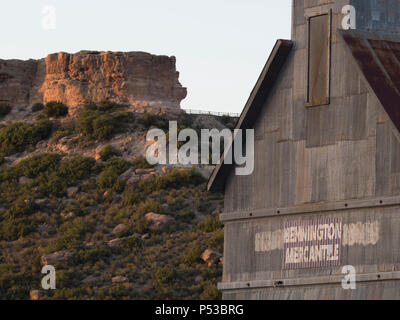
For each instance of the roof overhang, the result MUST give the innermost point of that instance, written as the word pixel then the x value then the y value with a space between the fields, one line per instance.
pixel 251 111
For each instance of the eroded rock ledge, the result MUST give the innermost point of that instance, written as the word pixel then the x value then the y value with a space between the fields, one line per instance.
pixel 135 78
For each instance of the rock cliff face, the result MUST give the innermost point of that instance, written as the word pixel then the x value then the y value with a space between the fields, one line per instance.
pixel 135 78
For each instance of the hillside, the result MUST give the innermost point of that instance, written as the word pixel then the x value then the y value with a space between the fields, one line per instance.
pixel 77 193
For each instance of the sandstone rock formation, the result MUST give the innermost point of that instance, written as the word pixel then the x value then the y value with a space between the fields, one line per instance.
pixel 159 222
pixel 211 257
pixel 53 258
pixel 135 78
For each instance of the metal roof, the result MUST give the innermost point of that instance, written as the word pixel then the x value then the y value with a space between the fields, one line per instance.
pixel 253 106
pixel 378 58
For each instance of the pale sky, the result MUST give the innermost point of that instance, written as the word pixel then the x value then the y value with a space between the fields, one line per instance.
pixel 220 45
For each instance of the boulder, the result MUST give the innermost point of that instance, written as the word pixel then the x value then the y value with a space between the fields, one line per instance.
pixel 45 228
pixel 144 171
pixel 42 202
pixel 36 294
pixel 159 221
pixel 67 215
pixel 119 228
pixel 211 257
pixel 114 243
pixel 72 192
pixel 53 258
pixel 24 180
pixel 90 279
pixel 119 279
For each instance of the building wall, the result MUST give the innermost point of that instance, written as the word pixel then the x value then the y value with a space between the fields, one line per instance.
pixel 343 151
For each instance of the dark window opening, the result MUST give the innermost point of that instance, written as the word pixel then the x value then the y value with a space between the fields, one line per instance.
pixel 319 47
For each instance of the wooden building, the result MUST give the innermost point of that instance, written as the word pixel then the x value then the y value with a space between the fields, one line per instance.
pixel 325 191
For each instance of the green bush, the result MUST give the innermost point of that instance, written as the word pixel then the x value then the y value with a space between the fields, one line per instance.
pixel 96 124
pixel 118 164
pixel 131 196
pixel 151 120
pixel 2 160
pixel 132 242
pixel 141 163
pixel 109 152
pixel 17 136
pixel 186 215
pixel 92 255
pixel 165 275
pixel 33 166
pixel 102 106
pixel 17 220
pixel 71 234
pixel 175 179
pixel 37 107
pixel 109 179
pixel 55 109
pixel 192 255
pixel 210 224
pixel 210 292
pixel 5 109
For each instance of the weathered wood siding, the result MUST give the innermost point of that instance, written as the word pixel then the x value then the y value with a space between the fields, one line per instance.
pixel 346 150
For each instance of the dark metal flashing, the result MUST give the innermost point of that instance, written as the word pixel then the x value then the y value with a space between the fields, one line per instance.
pixel 378 58
pixel 251 111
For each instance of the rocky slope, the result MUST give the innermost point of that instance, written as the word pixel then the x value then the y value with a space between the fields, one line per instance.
pixel 135 78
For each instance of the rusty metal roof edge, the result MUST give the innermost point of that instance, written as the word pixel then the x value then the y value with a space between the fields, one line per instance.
pixel 367 35
pixel 279 45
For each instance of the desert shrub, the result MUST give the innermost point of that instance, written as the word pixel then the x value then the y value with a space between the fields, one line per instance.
pixel 17 221
pixel 109 179
pixel 5 109
pixel 141 163
pixel 68 279
pixel 210 224
pixel 216 242
pixel 102 106
pixel 53 175
pixel 131 196
pixel 17 136
pixel 118 164
pixel 175 179
pixel 132 242
pixel 109 105
pixel 186 215
pixel 37 107
pixel 92 255
pixel 151 120
pixel 65 130
pixel 109 152
pixel 140 224
pixel 192 255
pixel 210 292
pixel 78 168
pixel 13 229
pixel 202 205
pixel 33 166
pixel 149 206
pixel 96 124
pixel 165 275
pixel 55 109
pixel 71 233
